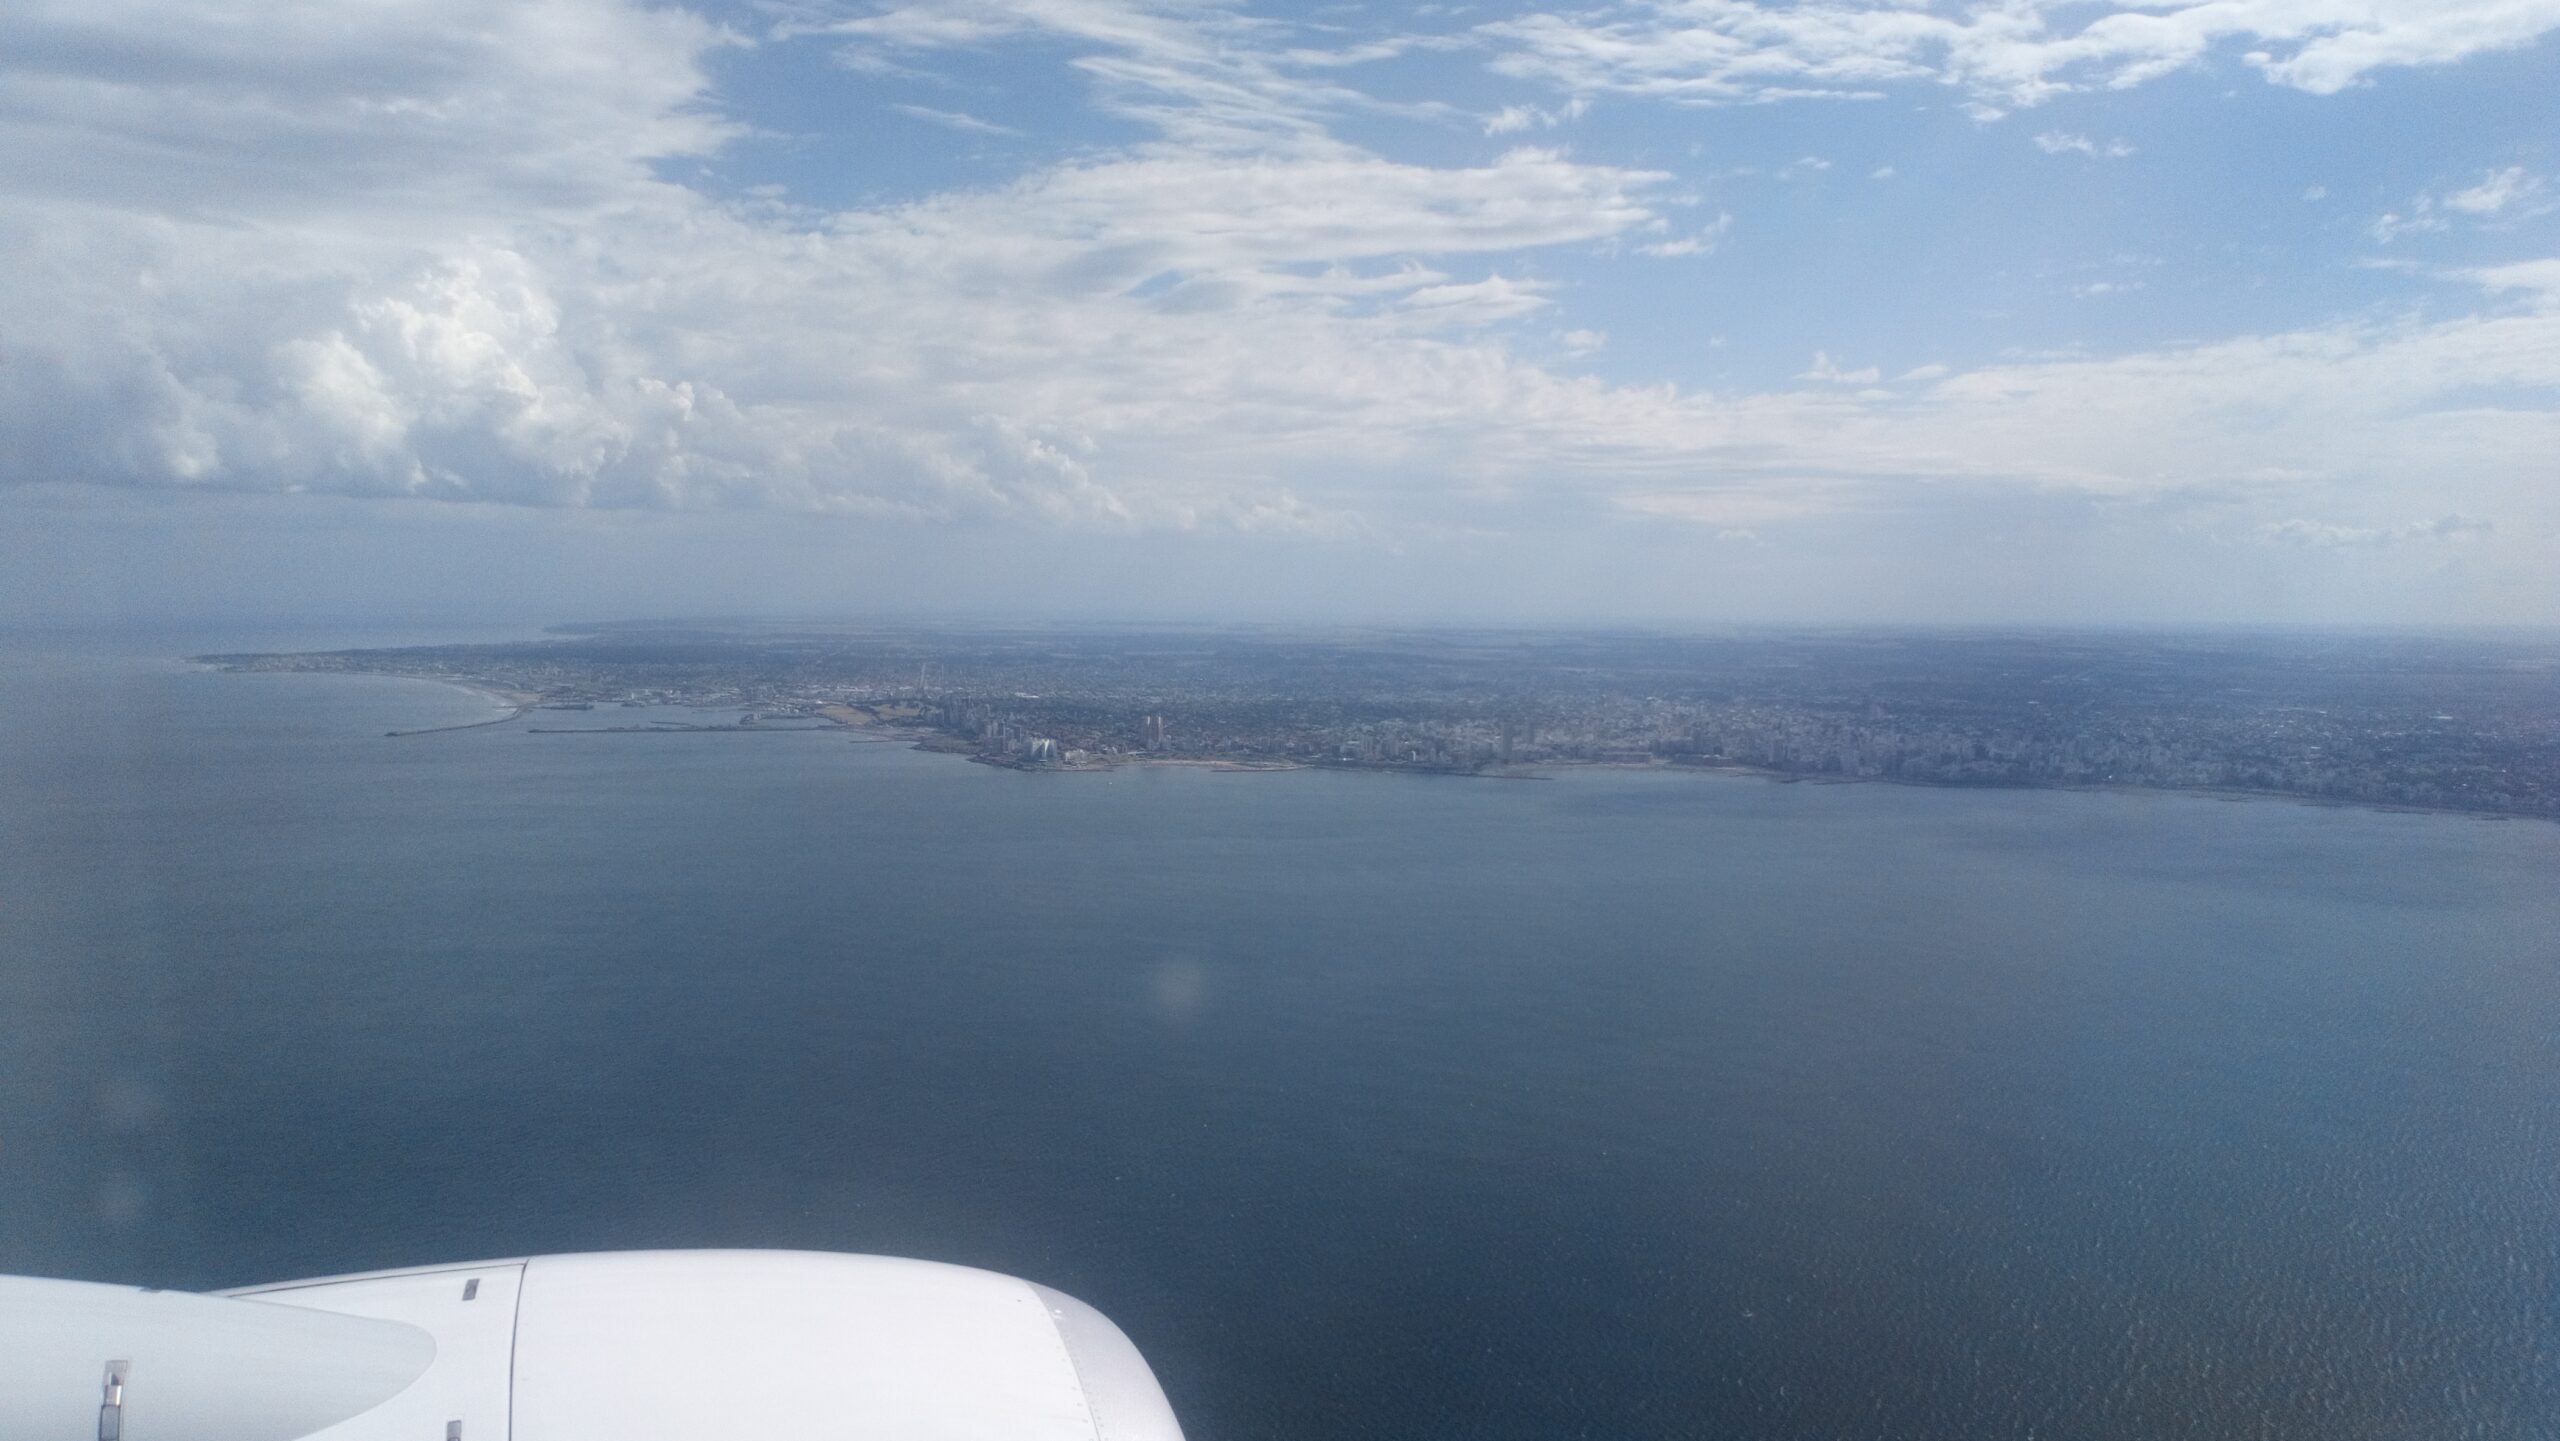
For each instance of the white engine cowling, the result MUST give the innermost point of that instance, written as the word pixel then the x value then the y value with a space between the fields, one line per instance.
pixel 628 1346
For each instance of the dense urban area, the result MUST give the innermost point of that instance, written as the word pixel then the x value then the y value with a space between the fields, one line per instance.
pixel 2457 723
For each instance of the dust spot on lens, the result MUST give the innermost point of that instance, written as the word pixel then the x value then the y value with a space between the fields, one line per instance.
pixel 121 1201
pixel 1176 989
pixel 125 1105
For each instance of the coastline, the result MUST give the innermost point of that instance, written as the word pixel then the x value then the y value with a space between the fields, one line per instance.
pixel 521 703
pixel 2219 793
pixel 939 744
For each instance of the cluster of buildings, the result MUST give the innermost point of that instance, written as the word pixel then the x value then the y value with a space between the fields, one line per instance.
pixel 2469 725
pixel 2429 763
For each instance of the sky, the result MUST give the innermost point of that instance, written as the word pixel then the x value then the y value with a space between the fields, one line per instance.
pixel 1662 311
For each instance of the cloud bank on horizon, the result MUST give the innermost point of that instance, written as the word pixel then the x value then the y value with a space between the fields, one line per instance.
pixel 2268 279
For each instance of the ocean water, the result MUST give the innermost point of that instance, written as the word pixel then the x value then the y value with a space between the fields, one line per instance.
pixel 1615 1105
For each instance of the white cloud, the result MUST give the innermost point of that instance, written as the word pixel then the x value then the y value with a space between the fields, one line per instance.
pixel 2500 192
pixel 1732 511
pixel 2386 407
pixel 1204 74
pixel 1511 119
pixel 955 120
pixel 201 111
pixel 2419 219
pixel 2325 536
pixel 2056 142
pixel 2450 418
pixel 2507 194
pixel 1881 172
pixel 2004 56
pixel 1825 370
pixel 1705 240
pixel 1242 323
pixel 493 295
pixel 2537 277
pixel 1484 302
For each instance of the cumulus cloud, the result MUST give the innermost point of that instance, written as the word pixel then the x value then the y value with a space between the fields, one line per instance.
pixel 408 251
pixel 2002 55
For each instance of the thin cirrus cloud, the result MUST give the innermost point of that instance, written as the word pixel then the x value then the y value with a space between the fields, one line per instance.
pixel 464 250
pixel 2321 534
pixel 2003 55
pixel 960 120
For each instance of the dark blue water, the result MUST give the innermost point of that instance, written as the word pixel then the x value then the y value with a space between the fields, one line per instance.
pixel 1611 1106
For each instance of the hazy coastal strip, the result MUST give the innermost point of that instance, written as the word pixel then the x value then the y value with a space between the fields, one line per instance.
pixel 2416 723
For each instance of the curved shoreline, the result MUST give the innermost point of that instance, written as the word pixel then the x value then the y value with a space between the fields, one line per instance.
pixel 1556 770
pixel 519 705
pixel 522 703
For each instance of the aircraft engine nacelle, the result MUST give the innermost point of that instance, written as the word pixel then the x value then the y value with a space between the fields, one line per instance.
pixel 630 1346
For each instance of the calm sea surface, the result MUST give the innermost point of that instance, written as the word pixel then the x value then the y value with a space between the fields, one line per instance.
pixel 1617 1105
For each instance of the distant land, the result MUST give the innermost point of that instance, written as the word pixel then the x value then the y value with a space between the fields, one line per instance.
pixel 2449 723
